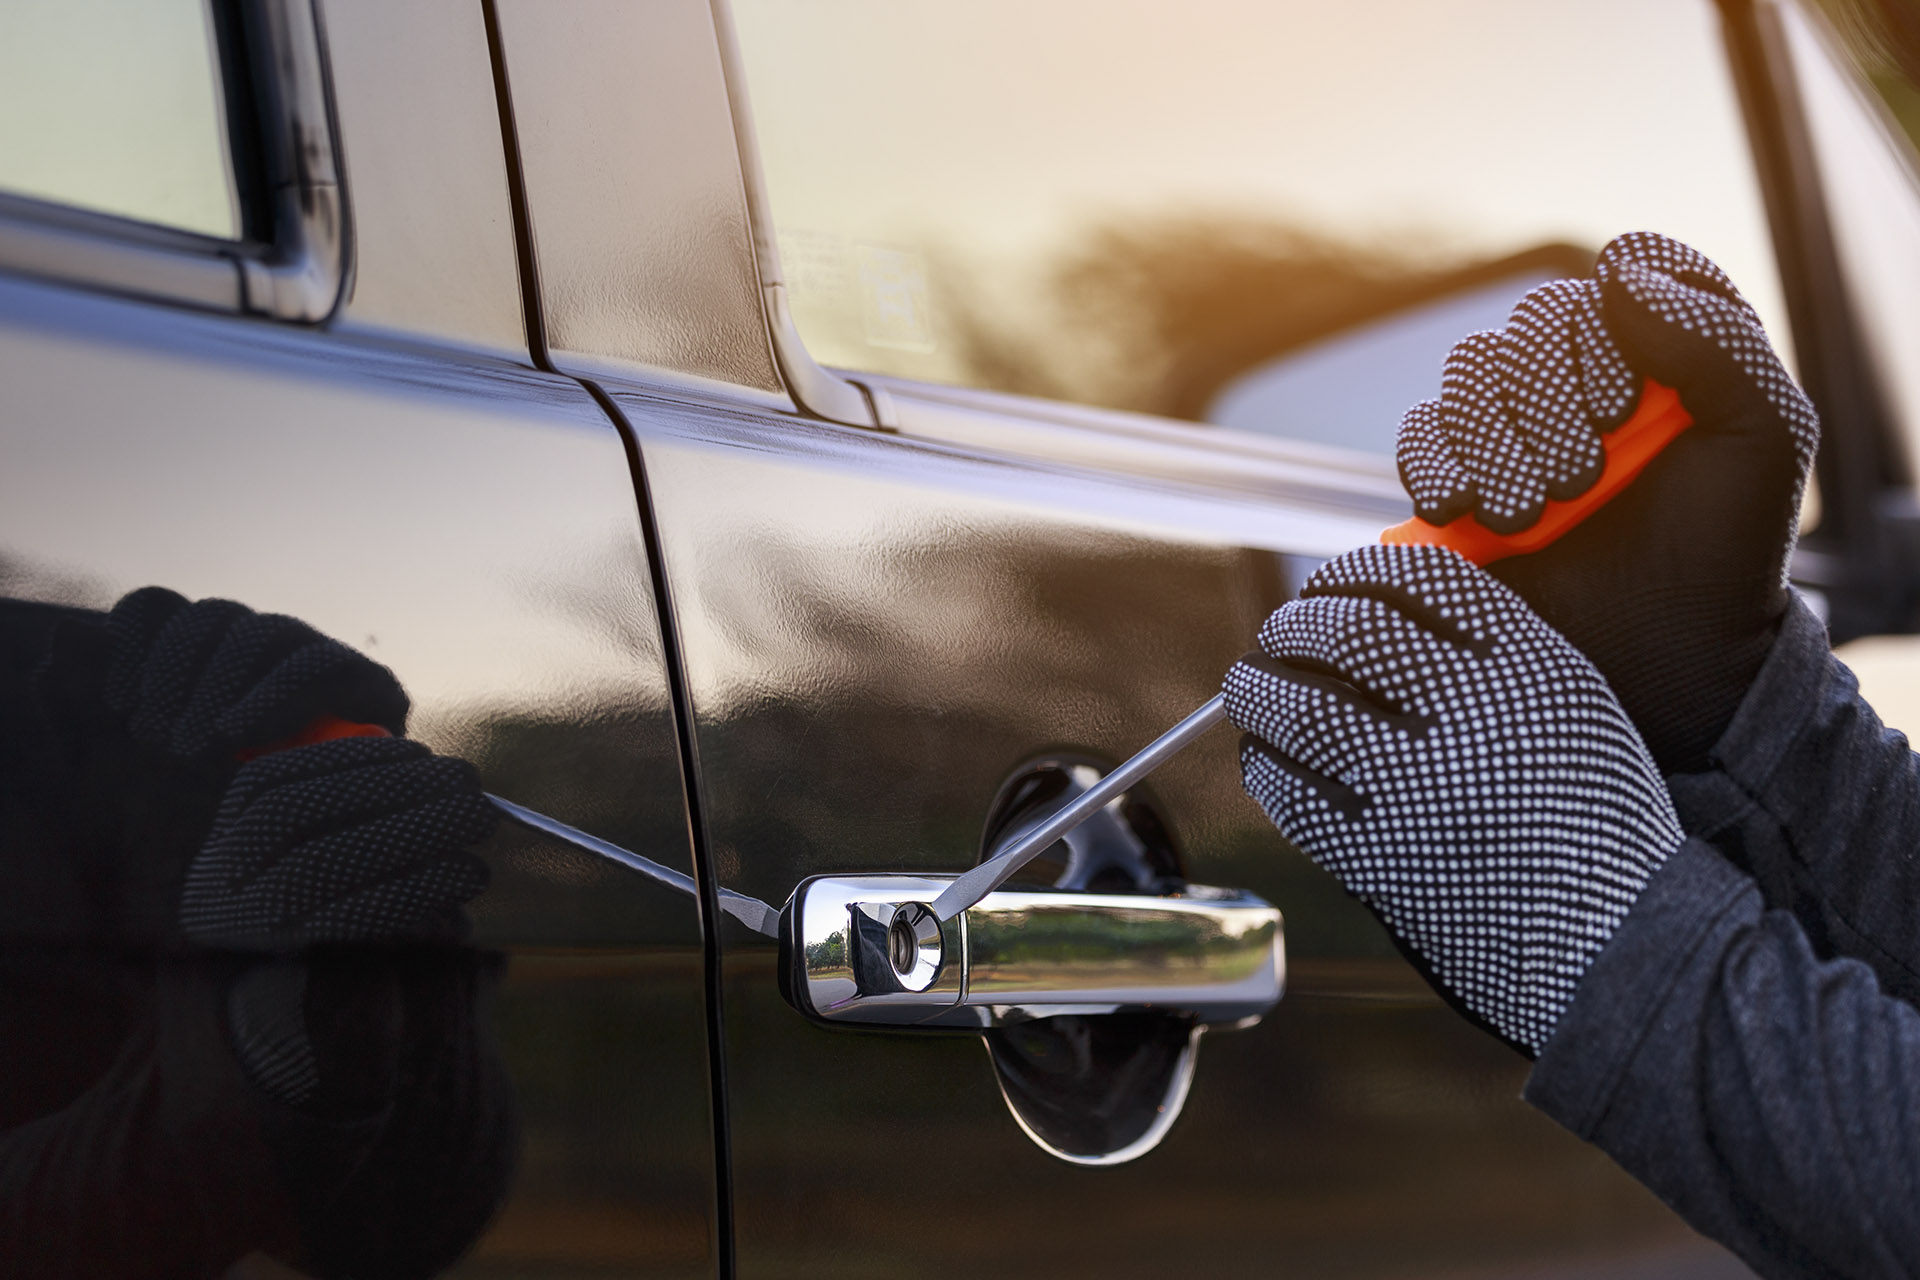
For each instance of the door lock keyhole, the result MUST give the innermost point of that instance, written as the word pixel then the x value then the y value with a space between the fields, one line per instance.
pixel 915 949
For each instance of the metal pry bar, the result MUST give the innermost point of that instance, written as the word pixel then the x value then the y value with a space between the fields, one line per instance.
pixel 991 874
pixel 751 912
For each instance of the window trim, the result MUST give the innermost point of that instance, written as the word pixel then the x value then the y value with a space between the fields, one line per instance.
pixel 1854 556
pixel 817 390
pixel 300 271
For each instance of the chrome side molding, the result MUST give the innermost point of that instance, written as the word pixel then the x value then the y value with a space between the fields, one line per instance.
pixel 869 951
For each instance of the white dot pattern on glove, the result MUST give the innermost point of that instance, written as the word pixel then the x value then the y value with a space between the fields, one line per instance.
pixel 1520 413
pixel 354 840
pixel 207 676
pixel 1522 410
pixel 1684 287
pixel 1459 767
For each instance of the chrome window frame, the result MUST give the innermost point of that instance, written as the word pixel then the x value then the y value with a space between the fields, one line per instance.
pixel 298 273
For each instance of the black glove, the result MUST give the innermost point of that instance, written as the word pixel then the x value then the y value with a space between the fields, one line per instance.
pixel 1675 589
pixel 359 841
pixel 214 678
pixel 147 712
pixel 1463 770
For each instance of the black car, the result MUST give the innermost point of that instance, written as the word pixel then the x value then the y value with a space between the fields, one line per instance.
pixel 780 539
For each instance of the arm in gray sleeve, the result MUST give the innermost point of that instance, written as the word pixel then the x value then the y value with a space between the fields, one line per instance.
pixel 1820 803
pixel 1768 1095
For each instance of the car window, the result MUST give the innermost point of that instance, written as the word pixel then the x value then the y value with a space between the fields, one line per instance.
pixel 1872 188
pixel 115 106
pixel 1136 205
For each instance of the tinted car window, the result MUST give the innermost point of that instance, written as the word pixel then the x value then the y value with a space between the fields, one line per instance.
pixel 116 106
pixel 1135 204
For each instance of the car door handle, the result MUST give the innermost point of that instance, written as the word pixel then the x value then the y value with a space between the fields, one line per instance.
pixel 868 950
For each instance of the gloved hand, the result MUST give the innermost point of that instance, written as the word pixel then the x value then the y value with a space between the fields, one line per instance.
pixel 147 712
pixel 1460 768
pixel 212 679
pixel 1675 589
pixel 358 841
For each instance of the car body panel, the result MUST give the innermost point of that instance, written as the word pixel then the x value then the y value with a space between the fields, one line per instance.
pixel 877 632
pixel 470 522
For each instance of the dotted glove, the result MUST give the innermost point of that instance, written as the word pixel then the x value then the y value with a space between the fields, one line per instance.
pixel 1675 589
pixel 355 841
pixel 359 840
pixel 148 711
pixel 213 678
pixel 1424 736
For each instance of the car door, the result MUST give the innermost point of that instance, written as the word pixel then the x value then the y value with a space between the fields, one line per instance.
pixel 262 339
pixel 895 605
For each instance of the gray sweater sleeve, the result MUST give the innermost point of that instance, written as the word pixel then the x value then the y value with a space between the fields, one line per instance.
pixel 1820 804
pixel 1738 1045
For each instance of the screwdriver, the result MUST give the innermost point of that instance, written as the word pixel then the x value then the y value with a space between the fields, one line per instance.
pixel 752 912
pixel 991 874
pixel 1657 419
pixel 958 896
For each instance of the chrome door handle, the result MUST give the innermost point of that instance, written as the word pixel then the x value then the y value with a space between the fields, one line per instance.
pixel 869 951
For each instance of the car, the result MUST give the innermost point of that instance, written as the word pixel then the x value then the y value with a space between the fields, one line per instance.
pixel 771 444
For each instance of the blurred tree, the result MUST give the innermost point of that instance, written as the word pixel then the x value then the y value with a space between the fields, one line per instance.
pixel 1158 315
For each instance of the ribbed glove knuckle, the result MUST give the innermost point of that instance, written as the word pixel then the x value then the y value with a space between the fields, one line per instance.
pixel 1242 688
pixel 1303 720
pixel 1608 383
pixel 305 674
pixel 1430 468
pixel 1698 313
pixel 210 677
pixel 1340 632
pixel 1648 254
pixel 315 762
pixel 304 830
pixel 134 623
pixel 325 784
pixel 450 775
pixel 1546 391
pixel 170 708
pixel 249 666
pixel 324 867
pixel 248 645
pixel 1506 478
pixel 1443 589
